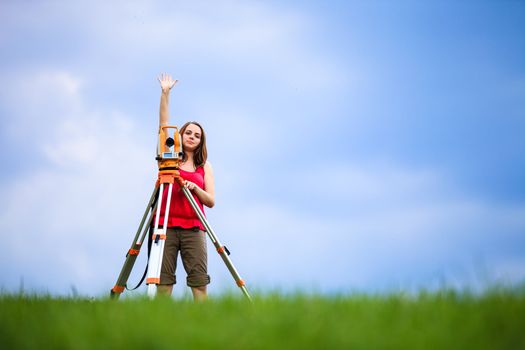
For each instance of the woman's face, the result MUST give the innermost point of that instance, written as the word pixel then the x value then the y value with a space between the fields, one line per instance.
pixel 191 138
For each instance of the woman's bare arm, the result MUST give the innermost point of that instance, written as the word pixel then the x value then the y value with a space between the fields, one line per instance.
pixel 206 195
pixel 166 84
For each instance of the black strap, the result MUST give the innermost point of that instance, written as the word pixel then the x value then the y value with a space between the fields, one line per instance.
pixel 147 262
pixel 141 280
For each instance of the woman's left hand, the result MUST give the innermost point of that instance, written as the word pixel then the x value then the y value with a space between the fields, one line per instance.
pixel 190 185
pixel 166 82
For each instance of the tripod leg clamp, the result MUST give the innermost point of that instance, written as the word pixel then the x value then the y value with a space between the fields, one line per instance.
pixel 118 289
pixel 223 249
pixel 133 252
pixel 156 236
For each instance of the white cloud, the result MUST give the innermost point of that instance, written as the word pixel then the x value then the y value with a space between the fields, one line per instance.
pixel 389 226
pixel 88 181
pixel 36 102
pixel 372 183
pixel 250 36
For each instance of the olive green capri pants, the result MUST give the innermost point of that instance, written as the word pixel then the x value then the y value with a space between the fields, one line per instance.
pixel 192 246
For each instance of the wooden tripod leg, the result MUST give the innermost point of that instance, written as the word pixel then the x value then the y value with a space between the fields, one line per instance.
pixel 222 250
pixel 133 252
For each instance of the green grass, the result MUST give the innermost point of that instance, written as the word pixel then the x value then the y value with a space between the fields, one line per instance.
pixel 439 320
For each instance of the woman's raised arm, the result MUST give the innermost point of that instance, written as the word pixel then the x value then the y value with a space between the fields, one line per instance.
pixel 166 83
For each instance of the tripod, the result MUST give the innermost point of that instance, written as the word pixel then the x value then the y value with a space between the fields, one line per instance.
pixel 169 156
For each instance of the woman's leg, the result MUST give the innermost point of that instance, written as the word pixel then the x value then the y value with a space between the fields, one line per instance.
pixel 195 260
pixel 164 289
pixel 169 263
pixel 199 293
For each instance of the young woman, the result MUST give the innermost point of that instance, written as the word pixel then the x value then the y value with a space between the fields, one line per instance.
pixel 185 232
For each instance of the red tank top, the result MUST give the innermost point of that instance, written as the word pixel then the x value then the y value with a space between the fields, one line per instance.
pixel 181 213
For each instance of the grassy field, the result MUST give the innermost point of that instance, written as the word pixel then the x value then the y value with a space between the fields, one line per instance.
pixel 439 320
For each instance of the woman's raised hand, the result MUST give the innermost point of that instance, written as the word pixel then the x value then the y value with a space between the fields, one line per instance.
pixel 166 82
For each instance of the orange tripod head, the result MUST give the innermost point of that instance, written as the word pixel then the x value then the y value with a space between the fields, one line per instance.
pixel 169 148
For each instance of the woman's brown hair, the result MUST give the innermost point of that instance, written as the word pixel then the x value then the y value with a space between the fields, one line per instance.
pixel 201 152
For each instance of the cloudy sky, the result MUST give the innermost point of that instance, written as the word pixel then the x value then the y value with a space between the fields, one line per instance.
pixel 356 145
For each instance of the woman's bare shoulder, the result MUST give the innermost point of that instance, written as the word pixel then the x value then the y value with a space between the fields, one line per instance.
pixel 207 166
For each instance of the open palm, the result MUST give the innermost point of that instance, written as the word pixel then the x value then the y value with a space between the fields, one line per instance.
pixel 166 81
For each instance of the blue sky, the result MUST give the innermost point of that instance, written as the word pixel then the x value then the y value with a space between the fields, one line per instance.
pixel 356 145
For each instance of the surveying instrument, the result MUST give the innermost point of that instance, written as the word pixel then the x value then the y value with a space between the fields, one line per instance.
pixel 169 157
